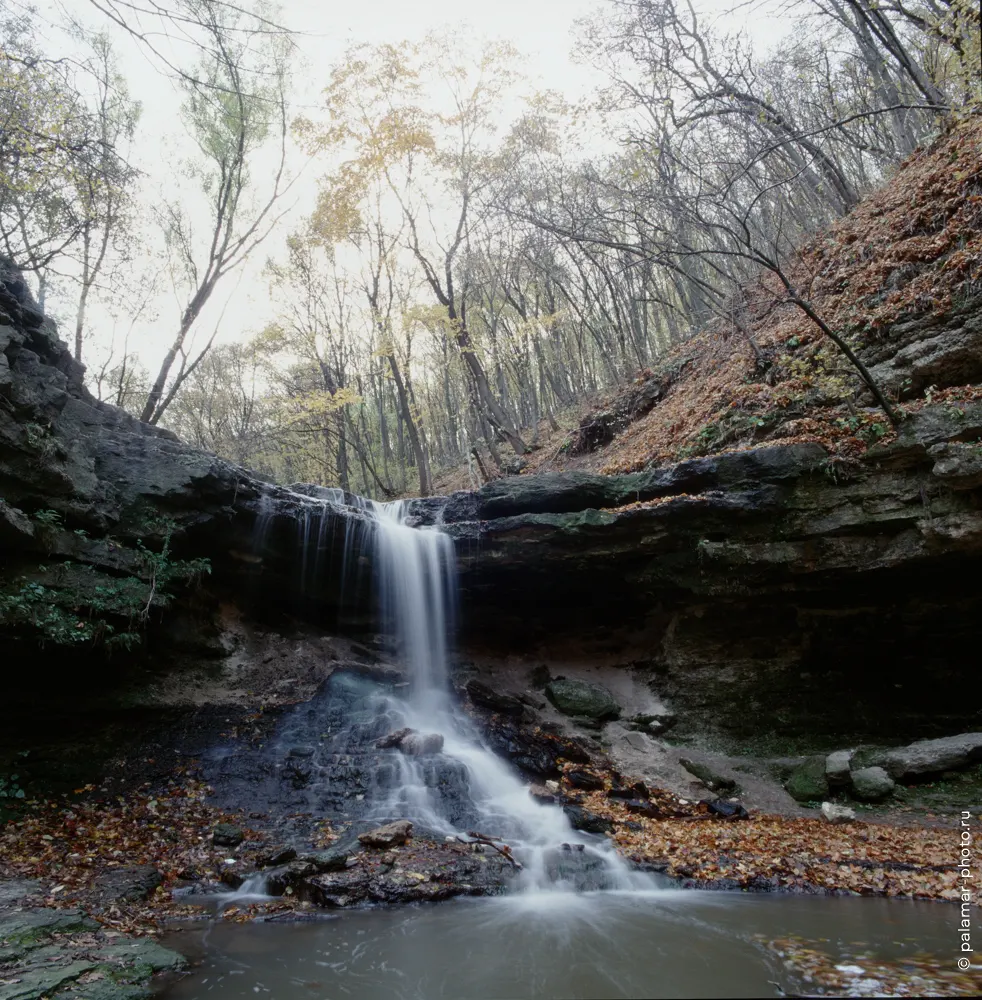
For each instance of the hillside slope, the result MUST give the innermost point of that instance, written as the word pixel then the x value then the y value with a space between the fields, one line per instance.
pixel 900 277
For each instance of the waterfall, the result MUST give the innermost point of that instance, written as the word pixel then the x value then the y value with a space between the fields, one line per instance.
pixel 416 583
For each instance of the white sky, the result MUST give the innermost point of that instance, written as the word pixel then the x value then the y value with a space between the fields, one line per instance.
pixel 540 29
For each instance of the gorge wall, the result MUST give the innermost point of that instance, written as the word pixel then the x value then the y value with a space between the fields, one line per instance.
pixel 762 592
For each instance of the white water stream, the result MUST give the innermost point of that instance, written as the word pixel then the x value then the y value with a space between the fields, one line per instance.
pixel 417 587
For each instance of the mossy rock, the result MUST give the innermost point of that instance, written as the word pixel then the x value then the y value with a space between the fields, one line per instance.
pixel 592 701
pixel 713 781
pixel 807 782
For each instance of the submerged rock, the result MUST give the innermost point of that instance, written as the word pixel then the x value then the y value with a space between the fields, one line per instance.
pixel 870 784
pixel 593 701
pixel 388 835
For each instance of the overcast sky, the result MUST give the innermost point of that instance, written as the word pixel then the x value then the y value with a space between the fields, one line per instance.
pixel 540 29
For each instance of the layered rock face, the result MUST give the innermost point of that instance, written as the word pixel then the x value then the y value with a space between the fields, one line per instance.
pixel 773 588
pixel 770 584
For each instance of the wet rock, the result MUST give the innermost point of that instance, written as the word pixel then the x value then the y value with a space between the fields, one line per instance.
pixel 871 784
pixel 388 835
pixel 15 526
pixel 392 741
pixel 837 767
pixel 232 877
pixel 15 890
pixel 337 890
pixel 579 698
pixel 421 744
pixel 227 835
pixel 542 794
pixel 582 819
pixel 931 756
pixel 533 750
pixel 301 752
pixel 326 861
pixel 22 926
pixel 127 885
pixel 807 782
pixel 485 696
pixel 644 807
pixel 584 870
pixel 638 741
pixel 837 814
pixel 637 790
pixel 655 724
pixel 727 809
pixel 713 781
pixel 287 877
pixel 411 742
pixel 579 778
pixel 280 856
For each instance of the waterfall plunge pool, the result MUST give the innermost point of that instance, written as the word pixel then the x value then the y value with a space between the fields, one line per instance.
pixel 658 943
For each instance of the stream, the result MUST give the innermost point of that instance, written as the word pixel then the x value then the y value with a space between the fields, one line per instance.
pixel 594 928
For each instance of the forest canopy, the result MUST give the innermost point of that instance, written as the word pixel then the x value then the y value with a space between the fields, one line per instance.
pixel 454 258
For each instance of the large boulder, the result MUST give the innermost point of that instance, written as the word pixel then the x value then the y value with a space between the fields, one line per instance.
pixel 593 701
pixel 932 756
pixel 871 784
pixel 837 767
pixel 807 782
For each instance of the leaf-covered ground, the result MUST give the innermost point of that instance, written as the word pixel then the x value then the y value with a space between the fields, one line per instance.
pixel 910 253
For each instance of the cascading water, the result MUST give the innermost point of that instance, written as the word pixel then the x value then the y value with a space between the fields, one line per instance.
pixel 416 579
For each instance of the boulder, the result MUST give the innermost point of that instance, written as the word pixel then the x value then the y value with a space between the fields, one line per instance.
pixel 422 744
pixel 837 814
pixel 227 835
pixel 713 781
pixel 727 808
pixel 388 835
pixel 278 856
pixel 871 784
pixel 411 742
pixel 484 695
pixel 127 885
pixel 542 794
pixel 807 782
pixel 331 860
pixel 637 790
pixel 837 767
pixel 286 879
pixel 654 724
pixel 932 756
pixel 586 780
pixel 588 822
pixel 592 701
pixel 338 889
